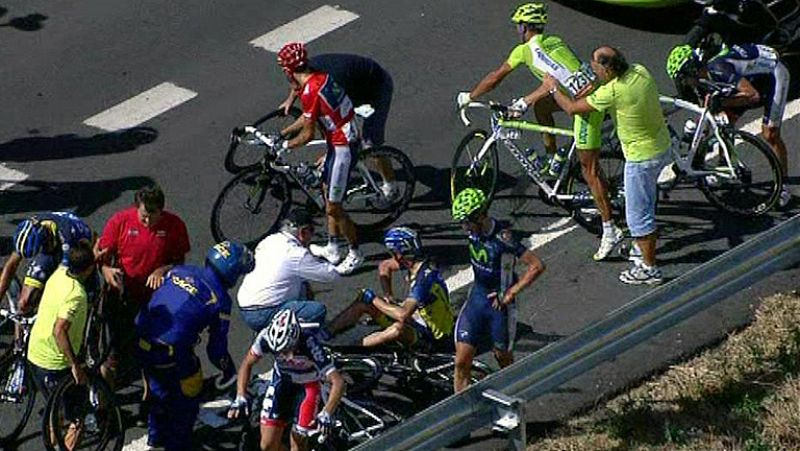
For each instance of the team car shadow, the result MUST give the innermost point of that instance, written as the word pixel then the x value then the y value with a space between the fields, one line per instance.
pixel 60 147
pixel 681 18
pixel 31 22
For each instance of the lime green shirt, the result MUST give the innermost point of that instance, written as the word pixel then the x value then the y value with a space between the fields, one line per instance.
pixel 632 102
pixel 64 297
pixel 548 54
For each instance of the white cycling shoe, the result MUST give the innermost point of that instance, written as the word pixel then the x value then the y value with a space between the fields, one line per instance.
pixel 330 252
pixel 784 198
pixel 351 262
pixel 608 243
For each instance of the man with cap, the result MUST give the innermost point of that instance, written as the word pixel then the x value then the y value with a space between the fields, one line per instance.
pixel 284 266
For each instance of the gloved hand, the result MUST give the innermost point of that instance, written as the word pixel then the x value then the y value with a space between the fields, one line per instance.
pixel 239 408
pixel 324 423
pixel 462 99
pixel 367 296
pixel 519 105
pixel 274 140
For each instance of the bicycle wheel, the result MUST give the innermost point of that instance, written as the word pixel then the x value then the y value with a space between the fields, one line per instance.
pixel 16 403
pixel 582 206
pixel 6 325
pixel 439 369
pixel 466 172
pixel 361 374
pixel 362 419
pixel 380 188
pixel 243 155
pixel 757 183
pixel 97 341
pixel 83 417
pixel 250 206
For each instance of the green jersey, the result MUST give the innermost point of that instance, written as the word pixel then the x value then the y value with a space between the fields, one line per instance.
pixel 548 54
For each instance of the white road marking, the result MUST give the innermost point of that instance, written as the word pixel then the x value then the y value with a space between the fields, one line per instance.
pixel 548 233
pixel 141 108
pixel 306 28
pixel 140 444
pixel 10 177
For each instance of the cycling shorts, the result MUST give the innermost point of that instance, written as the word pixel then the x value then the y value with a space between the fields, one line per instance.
pixel 40 268
pixel 336 173
pixel 286 402
pixel 482 326
pixel 587 129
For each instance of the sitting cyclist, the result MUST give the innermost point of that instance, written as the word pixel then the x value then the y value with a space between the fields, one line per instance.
pixel 294 391
pixel 424 319
pixel 45 239
pixel 190 300
pixel 761 79
pixel 326 103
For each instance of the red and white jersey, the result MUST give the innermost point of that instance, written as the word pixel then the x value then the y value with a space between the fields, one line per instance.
pixel 326 102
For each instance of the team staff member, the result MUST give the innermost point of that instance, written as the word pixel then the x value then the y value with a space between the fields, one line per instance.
pixel 44 239
pixel 57 335
pixel 630 95
pixel 146 242
pixel 191 300
pixel 547 54
pixel 488 317
pixel 326 103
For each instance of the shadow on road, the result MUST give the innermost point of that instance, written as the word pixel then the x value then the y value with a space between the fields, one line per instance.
pixel 669 20
pixel 38 148
pixel 31 22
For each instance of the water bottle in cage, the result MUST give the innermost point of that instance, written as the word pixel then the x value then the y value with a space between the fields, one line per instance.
pixel 15 379
pixel 539 162
pixel 689 128
pixel 558 162
pixel 307 176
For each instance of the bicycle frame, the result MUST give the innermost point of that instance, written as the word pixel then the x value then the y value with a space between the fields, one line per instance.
pixel 507 131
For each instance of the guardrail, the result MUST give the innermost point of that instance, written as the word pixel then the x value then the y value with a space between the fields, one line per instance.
pixel 501 398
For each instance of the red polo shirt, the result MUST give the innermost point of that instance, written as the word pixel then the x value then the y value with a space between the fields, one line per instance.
pixel 141 250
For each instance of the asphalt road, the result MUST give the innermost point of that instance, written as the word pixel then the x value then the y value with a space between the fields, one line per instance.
pixel 64 63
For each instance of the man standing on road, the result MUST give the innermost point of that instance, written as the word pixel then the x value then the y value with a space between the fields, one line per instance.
pixel 280 278
pixel 326 103
pixel 630 95
pixel 146 241
pixel 488 318
pixel 546 54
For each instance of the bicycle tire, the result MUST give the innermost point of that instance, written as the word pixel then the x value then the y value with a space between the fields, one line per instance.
pixel 439 369
pixel 97 341
pixel 7 438
pixel 484 176
pixel 241 156
pixel 239 213
pixel 750 198
pixel 369 208
pixel 361 374
pixel 582 207
pixel 106 414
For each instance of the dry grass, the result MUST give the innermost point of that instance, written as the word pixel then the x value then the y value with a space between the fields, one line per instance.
pixel 741 395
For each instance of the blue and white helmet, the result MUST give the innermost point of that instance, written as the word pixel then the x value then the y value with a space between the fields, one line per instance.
pixel 283 331
pixel 231 260
pixel 403 240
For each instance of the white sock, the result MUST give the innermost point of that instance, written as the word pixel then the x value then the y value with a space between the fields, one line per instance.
pixel 608 228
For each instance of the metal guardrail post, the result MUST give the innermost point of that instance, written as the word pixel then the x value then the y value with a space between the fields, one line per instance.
pixel 629 325
pixel 509 416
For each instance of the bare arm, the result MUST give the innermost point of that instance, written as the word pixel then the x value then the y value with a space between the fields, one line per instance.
pixel 245 370
pixel 491 80
pixel 9 269
pixel 535 269
pixel 61 335
pixel 294 127
pixel 385 271
pixel 396 312
pixel 746 95
pixel 337 391
pixel 305 135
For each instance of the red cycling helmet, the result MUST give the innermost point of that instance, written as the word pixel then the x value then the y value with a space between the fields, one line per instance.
pixel 292 57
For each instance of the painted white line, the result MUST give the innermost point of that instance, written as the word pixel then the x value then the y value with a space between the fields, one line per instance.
pixel 548 233
pixel 140 444
pixel 10 177
pixel 306 28
pixel 792 110
pixel 141 108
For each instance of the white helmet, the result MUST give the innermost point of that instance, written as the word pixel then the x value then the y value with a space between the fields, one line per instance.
pixel 283 331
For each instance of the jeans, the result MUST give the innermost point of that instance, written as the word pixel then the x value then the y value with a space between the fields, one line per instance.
pixel 641 193
pixel 306 311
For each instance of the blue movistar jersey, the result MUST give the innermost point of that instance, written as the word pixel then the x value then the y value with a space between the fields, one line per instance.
pixel 486 251
pixel 68 229
pixel 742 61
pixel 190 300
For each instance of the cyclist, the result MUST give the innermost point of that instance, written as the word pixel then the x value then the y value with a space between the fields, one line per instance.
pixel 190 300
pixel 44 239
pixel 294 391
pixel 280 279
pixel 547 54
pixel 325 102
pixel 366 83
pixel 761 79
pixel 425 319
pixel 630 94
pixel 489 314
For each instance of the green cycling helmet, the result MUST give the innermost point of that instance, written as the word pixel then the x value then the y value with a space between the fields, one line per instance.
pixel 468 202
pixel 678 58
pixel 532 13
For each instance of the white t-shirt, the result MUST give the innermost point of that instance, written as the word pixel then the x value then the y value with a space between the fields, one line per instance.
pixel 282 265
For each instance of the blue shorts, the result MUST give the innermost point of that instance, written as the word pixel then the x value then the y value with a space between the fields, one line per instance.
pixel 641 193
pixel 482 326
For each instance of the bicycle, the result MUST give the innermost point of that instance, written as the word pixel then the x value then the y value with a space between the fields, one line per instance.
pixel 253 203
pixel 476 164
pixel 735 170
pixel 239 157
pixel 17 389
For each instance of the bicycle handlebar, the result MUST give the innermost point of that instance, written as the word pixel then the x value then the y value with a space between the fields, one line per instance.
pixel 17 317
pixel 487 106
